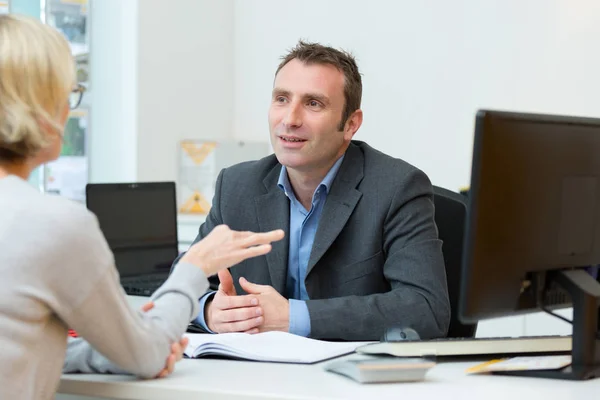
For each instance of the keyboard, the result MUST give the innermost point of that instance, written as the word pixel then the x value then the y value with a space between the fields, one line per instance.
pixel 472 346
pixel 142 285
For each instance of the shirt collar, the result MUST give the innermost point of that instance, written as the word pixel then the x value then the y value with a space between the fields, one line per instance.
pixel 284 182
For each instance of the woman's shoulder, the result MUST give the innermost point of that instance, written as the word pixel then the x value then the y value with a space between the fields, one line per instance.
pixel 41 209
pixel 75 210
pixel 63 231
pixel 75 231
pixel 69 216
pixel 61 219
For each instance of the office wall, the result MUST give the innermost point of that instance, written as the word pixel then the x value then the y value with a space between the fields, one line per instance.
pixel 204 69
pixel 185 88
pixel 113 84
pixel 162 72
pixel 428 65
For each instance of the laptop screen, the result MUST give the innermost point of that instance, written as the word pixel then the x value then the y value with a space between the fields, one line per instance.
pixel 139 221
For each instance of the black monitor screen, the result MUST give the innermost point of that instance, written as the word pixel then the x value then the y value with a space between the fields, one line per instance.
pixel 534 206
pixel 139 221
pixel 533 226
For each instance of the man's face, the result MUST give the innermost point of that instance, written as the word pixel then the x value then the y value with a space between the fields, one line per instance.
pixel 305 113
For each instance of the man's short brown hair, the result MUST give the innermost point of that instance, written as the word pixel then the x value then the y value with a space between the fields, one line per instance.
pixel 315 53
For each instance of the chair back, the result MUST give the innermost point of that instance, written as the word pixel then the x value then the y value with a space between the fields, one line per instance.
pixel 450 218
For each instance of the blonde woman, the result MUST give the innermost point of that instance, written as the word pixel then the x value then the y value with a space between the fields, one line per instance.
pixel 56 269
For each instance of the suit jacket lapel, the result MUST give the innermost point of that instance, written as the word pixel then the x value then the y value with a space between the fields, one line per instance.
pixel 341 201
pixel 273 211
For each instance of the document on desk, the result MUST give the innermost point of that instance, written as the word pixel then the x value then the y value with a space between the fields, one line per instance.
pixel 522 364
pixel 268 346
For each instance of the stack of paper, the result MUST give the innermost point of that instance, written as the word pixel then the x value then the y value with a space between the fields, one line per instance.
pixel 268 346
pixel 522 364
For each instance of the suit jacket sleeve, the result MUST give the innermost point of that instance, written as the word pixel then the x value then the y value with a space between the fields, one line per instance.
pixel 414 268
pixel 213 219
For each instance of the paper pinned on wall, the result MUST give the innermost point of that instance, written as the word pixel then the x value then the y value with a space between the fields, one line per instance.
pixel 197 172
pixel 70 17
pixel 200 162
pixel 68 175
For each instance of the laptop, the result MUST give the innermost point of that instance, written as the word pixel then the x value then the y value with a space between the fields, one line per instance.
pixel 139 222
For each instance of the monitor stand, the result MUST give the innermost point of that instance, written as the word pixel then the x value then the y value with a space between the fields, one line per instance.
pixel 585 295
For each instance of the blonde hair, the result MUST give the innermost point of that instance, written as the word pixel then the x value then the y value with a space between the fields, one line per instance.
pixel 37 73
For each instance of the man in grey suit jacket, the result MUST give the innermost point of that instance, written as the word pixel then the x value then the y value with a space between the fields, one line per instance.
pixel 362 251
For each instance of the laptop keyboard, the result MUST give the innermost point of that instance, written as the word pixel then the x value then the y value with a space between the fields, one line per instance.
pixel 143 285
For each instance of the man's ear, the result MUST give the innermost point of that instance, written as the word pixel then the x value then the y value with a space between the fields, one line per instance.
pixel 353 124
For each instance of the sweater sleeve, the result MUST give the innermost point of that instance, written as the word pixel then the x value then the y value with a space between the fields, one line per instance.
pixel 90 300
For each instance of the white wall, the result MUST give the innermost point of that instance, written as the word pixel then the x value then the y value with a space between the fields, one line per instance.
pixel 428 65
pixel 113 87
pixel 185 87
pixel 204 69
pixel 162 72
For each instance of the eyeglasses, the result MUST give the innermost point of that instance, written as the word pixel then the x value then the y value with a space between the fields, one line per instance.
pixel 76 95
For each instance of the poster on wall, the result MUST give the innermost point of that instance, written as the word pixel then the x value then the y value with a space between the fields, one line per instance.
pixel 200 162
pixel 4 7
pixel 71 18
pixel 68 175
pixel 197 173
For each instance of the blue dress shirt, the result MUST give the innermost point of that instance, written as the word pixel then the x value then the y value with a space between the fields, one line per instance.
pixel 303 227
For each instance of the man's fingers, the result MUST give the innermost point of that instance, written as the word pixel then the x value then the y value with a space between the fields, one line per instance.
pixel 225 277
pixel 253 288
pixel 238 314
pixel 226 283
pixel 229 302
pixel 241 326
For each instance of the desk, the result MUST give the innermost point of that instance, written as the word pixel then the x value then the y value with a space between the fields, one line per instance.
pixel 223 379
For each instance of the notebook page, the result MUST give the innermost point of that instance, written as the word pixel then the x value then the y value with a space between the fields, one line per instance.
pixel 269 346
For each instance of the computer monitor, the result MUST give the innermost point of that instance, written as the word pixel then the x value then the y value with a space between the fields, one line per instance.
pixel 533 226
pixel 139 221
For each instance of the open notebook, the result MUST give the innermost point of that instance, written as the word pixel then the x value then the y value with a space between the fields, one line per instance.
pixel 268 346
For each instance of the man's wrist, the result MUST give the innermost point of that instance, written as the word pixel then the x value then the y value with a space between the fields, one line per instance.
pixel 299 318
pixel 207 307
pixel 287 316
pixel 200 319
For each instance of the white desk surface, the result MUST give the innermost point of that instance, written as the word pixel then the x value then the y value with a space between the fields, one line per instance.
pixel 223 379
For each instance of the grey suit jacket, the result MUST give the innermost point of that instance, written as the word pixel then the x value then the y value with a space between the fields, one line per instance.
pixel 376 259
